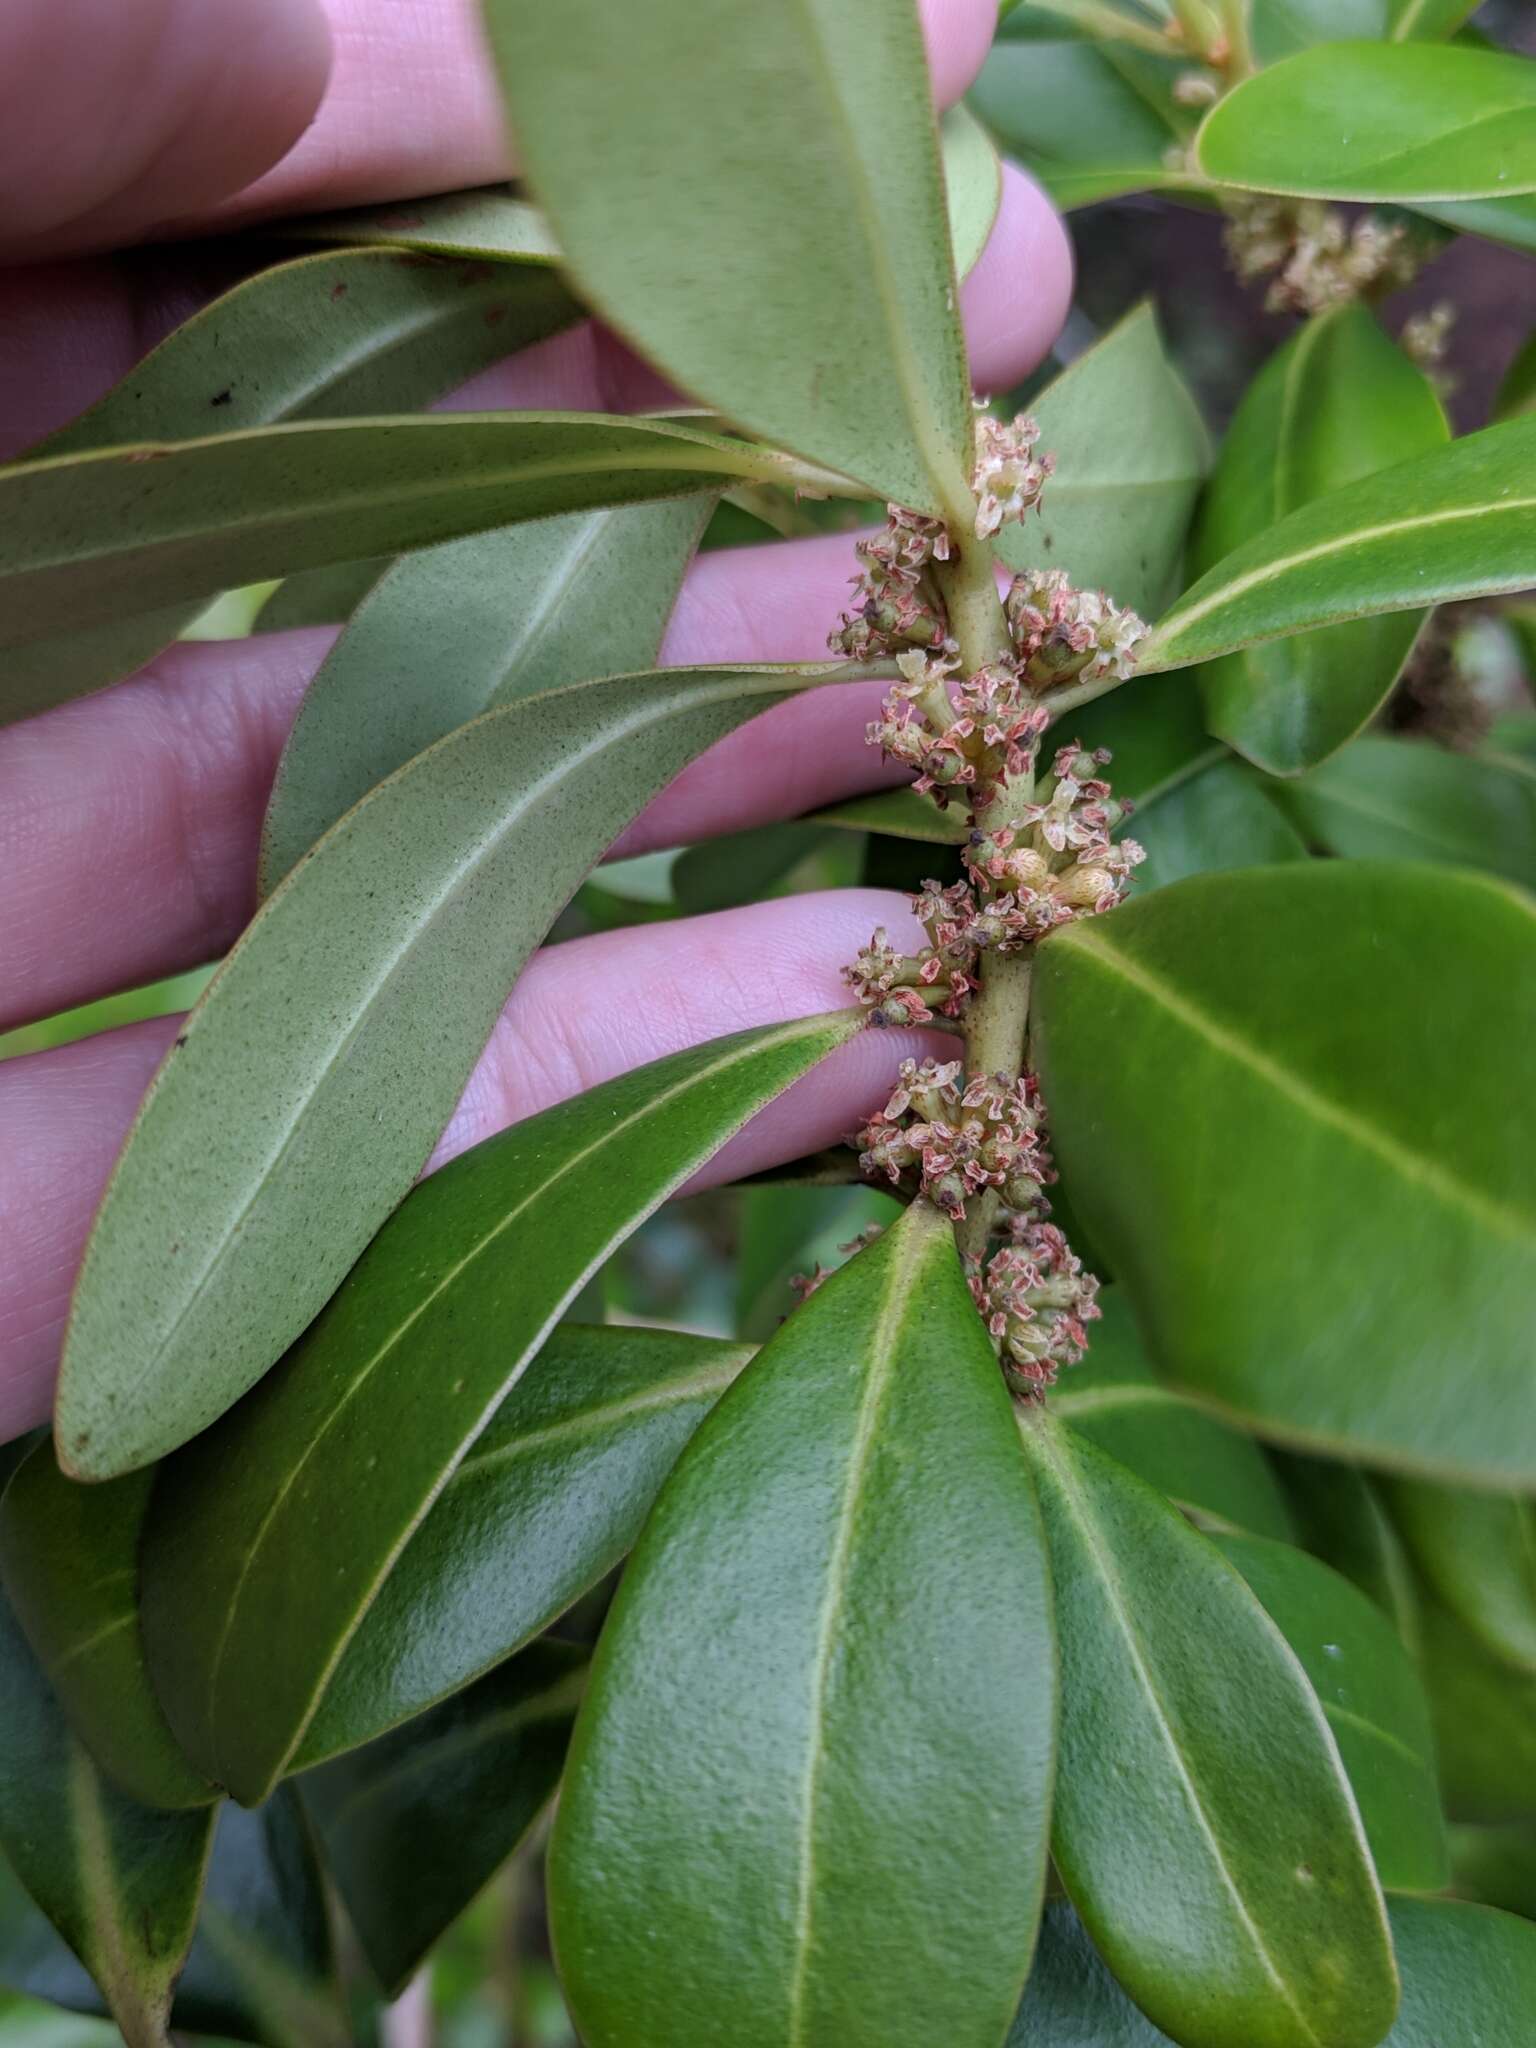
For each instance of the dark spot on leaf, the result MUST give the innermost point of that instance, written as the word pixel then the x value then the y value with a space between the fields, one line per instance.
pixel 222 397
pixel 181 1041
pixel 494 315
pixel 339 291
pixel 476 273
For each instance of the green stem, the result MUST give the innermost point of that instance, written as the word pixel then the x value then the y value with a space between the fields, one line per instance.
pixel 1108 23
pixel 998 1017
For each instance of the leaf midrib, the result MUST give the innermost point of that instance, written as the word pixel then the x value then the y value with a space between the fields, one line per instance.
pixel 785 1034
pixel 1420 1169
pixel 881 1354
pixel 1103 1563
pixel 598 1421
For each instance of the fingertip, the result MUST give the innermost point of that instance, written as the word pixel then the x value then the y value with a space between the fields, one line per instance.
pixel 1015 300
pixel 115 119
pixel 957 35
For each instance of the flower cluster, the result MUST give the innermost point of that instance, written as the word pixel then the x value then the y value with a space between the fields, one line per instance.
pixel 1057 863
pixel 1062 635
pixel 897 603
pixel 951 1138
pixel 1316 255
pixel 1034 1298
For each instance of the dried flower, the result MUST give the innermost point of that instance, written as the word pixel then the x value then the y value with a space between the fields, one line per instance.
pixel 900 606
pixel 1034 1297
pixel 1320 256
pixel 952 1138
pixel 1062 635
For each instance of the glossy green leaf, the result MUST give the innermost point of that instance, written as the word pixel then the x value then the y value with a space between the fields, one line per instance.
pixel 295 1472
pixel 1454 523
pixel 1373 1700
pixel 1392 799
pixel 487 223
pixel 69 1557
pixel 1130 452
pixel 1469 1975
pixel 822 1706
pixel 86 537
pixel 1478 1552
pixel 1116 1401
pixel 1221 817
pixel 311 1081
pixel 119 1881
pixel 414 1824
pixel 549 1499
pixel 261 1966
pixel 1485 1722
pixel 1339 1517
pixel 1337 403
pixel 770 223
pixel 1203 1825
pixel 1510 221
pixel 457 630
pixel 741 867
pixel 900 814
pixel 1397 121
pixel 320 597
pixel 326 337
pixel 1091 119
pixel 1427 19
pixel 1260 1096
pixel 1278 28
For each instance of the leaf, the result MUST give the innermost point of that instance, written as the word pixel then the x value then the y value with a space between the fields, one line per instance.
pixel 1398 121
pixel 294 1473
pixel 1203 1826
pixel 900 814
pixel 784 1231
pixel 1220 818
pixel 1260 1097
pixel 87 537
pixel 261 1967
pixel 822 1706
pixel 1427 18
pixel 488 223
pixel 1130 453
pixel 1337 403
pixel 1478 1551
pixel 973 185
pixel 770 225
pixel 465 628
pixel 1340 1518
pixel 326 337
pixel 311 1081
pixel 1391 799
pixel 1071 2000
pixel 1511 221
pixel 69 1556
pixel 1485 1722
pixel 1469 1974
pixel 741 867
pixel 119 1881
pixel 1278 28
pixel 1450 524
pixel 1114 1400
pixel 414 1824
pixel 1371 1695
pixel 548 1499
pixel 319 597
pixel 1091 119
pixel 1517 393
pixel 1496 1867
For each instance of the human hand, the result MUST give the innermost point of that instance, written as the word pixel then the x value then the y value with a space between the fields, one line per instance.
pixel 131 818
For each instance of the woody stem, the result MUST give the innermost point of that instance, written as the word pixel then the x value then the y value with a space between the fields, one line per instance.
pixel 998 1017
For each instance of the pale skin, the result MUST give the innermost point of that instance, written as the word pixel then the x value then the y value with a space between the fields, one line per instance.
pixel 129 820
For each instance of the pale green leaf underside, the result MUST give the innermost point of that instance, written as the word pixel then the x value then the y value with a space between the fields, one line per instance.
pixel 770 224
pixel 313 1078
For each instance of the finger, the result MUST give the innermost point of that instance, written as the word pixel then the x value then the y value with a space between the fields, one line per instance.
pixel 111 116
pixel 118 122
pixel 65 1113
